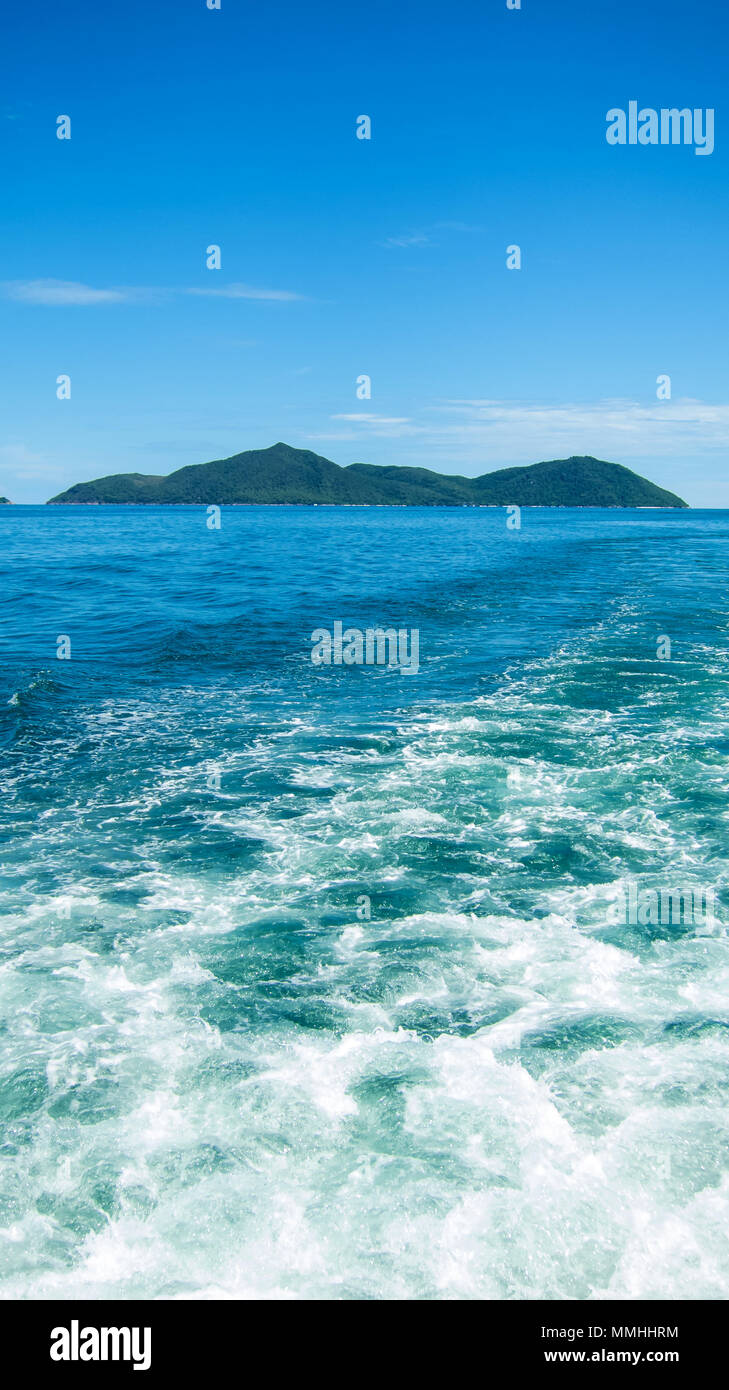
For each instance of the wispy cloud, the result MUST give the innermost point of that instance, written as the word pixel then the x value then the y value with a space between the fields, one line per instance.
pixel 366 419
pixel 372 426
pixel 427 237
pixel 63 293
pixel 625 427
pixel 59 292
pixel 244 292
pixel 408 239
pixel 482 434
pixel 22 463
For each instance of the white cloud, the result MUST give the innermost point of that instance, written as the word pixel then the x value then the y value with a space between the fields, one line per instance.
pixel 514 429
pixel 62 293
pixel 20 462
pixel 480 435
pixel 236 291
pixel 361 417
pixel 410 239
pixel 58 292
pixel 375 427
pixel 425 238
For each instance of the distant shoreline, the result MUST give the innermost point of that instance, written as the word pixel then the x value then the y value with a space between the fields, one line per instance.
pixel 393 506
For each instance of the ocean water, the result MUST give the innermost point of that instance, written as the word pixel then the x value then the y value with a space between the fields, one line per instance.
pixel 219 1077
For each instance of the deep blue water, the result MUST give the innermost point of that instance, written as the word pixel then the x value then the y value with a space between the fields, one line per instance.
pixel 218 1074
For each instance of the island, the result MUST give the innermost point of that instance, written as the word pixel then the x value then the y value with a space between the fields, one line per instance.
pixel 284 475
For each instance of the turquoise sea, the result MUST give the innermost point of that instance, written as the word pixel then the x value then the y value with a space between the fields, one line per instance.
pixel 311 983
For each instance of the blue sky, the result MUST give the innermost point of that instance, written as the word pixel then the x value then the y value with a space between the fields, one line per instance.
pixel 342 256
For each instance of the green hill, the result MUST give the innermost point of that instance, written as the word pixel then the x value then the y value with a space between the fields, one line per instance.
pixel 573 482
pixel 284 475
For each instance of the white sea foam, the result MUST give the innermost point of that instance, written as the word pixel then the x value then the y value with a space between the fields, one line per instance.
pixel 220 1081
